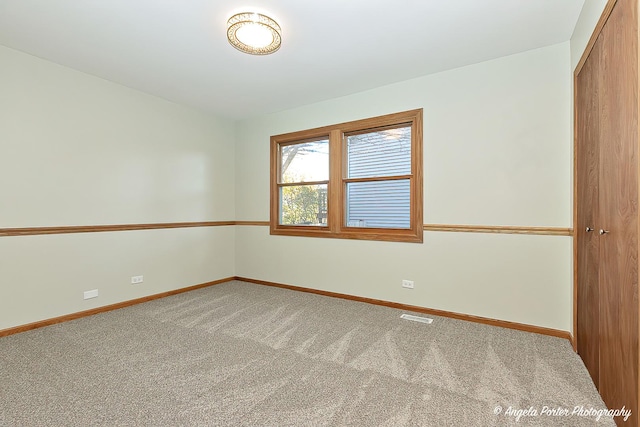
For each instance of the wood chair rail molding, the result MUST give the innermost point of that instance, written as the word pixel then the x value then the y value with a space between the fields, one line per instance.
pixel 34 231
pixel 498 229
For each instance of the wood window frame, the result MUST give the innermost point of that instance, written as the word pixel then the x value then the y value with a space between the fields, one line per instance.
pixel 336 197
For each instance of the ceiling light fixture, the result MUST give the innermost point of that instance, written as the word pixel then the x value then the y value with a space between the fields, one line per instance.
pixel 254 33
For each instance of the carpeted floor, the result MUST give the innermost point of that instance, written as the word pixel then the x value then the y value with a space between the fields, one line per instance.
pixel 240 354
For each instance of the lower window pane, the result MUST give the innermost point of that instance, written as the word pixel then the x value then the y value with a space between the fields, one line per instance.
pixel 303 205
pixel 379 204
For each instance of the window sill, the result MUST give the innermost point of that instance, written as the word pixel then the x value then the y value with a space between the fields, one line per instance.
pixel 384 235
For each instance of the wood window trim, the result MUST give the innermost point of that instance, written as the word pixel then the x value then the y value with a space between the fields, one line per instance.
pixel 337 180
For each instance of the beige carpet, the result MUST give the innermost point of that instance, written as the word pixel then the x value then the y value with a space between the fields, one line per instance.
pixel 240 354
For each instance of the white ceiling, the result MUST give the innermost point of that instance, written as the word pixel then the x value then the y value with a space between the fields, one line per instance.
pixel 177 49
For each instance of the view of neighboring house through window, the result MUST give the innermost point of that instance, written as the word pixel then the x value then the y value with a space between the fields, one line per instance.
pixel 379 179
pixel 359 180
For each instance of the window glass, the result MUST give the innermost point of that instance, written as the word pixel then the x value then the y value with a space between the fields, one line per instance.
pixel 306 162
pixel 382 153
pixel 379 204
pixel 303 205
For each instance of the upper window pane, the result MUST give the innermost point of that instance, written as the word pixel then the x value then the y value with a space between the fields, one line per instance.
pixel 306 162
pixel 381 153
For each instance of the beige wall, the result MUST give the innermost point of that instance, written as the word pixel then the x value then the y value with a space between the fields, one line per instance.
pixel 496 153
pixel 78 150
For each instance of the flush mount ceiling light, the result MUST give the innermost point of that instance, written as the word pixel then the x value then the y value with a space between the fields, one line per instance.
pixel 254 33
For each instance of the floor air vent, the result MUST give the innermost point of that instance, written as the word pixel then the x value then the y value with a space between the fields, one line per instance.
pixel 416 318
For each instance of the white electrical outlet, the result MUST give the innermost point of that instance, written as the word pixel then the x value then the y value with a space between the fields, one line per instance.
pixel 407 284
pixel 137 279
pixel 90 294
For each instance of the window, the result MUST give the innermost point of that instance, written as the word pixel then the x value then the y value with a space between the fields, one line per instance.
pixel 356 180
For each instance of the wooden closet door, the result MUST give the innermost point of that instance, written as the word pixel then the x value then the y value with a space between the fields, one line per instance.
pixel 618 210
pixel 587 176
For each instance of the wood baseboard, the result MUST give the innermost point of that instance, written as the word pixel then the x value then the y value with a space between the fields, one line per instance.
pixel 103 309
pixel 477 319
pixel 417 309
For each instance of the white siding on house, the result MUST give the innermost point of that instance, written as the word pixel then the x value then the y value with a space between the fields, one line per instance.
pixel 379 204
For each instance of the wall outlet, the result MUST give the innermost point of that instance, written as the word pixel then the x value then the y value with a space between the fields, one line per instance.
pixel 90 294
pixel 407 284
pixel 137 279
